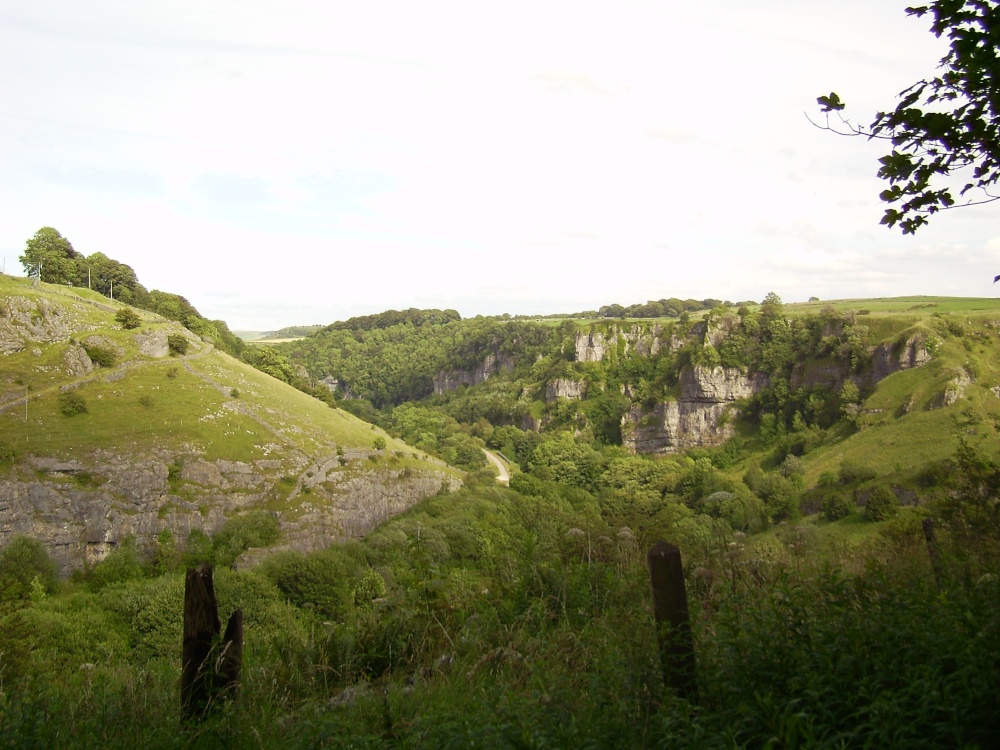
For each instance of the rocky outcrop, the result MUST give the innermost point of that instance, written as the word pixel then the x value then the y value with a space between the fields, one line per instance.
pixel 719 385
pixel 594 346
pixel 77 361
pixel 565 388
pixel 889 358
pixel 153 344
pixel 82 508
pixel 492 364
pixel 702 415
pixel 954 391
pixel 24 320
pixel 674 426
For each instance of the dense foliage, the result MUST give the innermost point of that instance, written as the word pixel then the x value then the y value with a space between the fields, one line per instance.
pixel 945 130
pixel 497 618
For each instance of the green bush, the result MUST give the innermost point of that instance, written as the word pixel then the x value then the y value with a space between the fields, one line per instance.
pixel 255 529
pixel 119 566
pixel 100 355
pixel 72 403
pixel 852 473
pixel 7 453
pixel 128 318
pixel 177 344
pixel 837 505
pixel 26 570
pixel 881 504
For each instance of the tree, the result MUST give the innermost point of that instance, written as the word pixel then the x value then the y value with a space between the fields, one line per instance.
pixel 945 131
pixel 128 318
pixel 51 257
pixel 112 279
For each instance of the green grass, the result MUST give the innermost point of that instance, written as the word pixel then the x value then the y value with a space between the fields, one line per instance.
pixel 918 305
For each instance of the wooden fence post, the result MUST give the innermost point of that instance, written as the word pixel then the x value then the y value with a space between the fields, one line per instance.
pixel 930 536
pixel 670 609
pixel 210 668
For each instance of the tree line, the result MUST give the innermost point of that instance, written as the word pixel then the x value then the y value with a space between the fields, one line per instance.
pixel 50 257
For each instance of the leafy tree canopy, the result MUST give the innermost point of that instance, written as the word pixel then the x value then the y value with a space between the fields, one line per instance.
pixel 945 130
pixel 51 257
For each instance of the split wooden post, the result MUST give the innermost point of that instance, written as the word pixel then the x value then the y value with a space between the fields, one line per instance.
pixel 930 536
pixel 670 608
pixel 210 668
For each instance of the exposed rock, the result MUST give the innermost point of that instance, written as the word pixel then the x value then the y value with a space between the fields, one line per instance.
pixel 889 358
pixel 702 415
pixel 719 384
pixel 39 321
pixel 153 344
pixel 565 388
pixel 77 361
pixel 492 363
pixel 105 343
pixel 674 426
pixel 594 346
pixel 955 390
pixel 82 508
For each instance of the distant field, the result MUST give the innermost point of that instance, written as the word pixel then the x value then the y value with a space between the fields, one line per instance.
pixel 900 305
pixel 919 305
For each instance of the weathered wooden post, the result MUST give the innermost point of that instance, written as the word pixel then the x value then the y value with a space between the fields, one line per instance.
pixel 930 535
pixel 210 668
pixel 673 623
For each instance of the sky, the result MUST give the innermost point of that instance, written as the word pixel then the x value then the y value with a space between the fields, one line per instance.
pixel 307 161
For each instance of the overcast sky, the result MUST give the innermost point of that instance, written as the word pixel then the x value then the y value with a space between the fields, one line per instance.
pixel 305 161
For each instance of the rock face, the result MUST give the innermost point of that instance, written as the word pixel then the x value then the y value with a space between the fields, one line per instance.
pixel 153 344
pixel 594 346
pixel 702 415
pixel 565 388
pixel 26 321
pixel 82 508
pixel 492 363
pixel 890 358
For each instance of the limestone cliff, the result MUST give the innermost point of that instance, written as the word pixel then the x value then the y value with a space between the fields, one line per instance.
pixel 701 416
pixel 81 508
pixel 703 413
pixel 491 364
pixel 594 345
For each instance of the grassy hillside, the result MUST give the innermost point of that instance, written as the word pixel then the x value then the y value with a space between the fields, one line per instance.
pixel 161 439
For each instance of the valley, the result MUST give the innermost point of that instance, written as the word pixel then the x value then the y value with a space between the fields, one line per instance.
pixel 344 484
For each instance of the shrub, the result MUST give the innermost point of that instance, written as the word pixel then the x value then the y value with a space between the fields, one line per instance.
pixel 177 344
pixel 118 567
pixel 837 505
pixel 255 529
pixel 881 504
pixel 25 566
pixel 827 478
pixel 380 443
pixel 851 473
pixel 128 318
pixel 100 355
pixel 7 453
pixel 72 403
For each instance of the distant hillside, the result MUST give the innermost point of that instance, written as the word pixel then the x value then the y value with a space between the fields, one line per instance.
pixel 108 432
pixel 287 333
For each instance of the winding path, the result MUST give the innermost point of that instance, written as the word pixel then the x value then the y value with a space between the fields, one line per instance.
pixel 503 476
